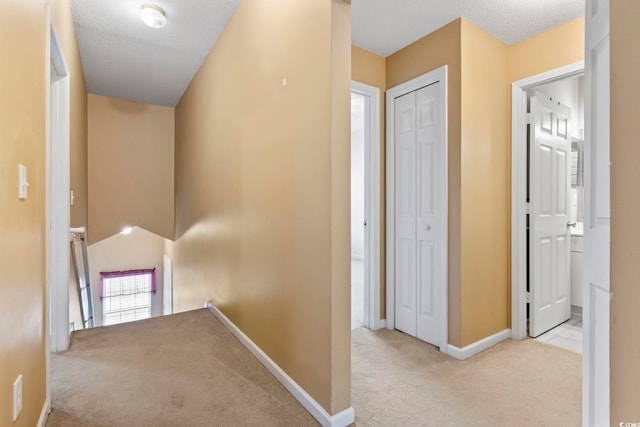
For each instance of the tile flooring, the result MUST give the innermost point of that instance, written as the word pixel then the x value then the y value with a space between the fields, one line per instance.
pixel 357 293
pixel 567 335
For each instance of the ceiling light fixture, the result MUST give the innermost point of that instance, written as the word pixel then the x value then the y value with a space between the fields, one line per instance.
pixel 126 230
pixel 153 16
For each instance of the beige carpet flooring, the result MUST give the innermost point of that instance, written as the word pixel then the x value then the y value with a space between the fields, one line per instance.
pixel 180 370
pixel 188 370
pixel 398 380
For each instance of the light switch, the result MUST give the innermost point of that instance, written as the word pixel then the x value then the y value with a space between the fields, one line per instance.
pixel 22 182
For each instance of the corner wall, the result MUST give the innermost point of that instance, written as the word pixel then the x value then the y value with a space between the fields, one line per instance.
pixel 131 162
pixel 262 180
pixel 442 47
pixel 485 190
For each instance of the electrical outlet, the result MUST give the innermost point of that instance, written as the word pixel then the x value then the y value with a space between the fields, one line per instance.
pixel 17 397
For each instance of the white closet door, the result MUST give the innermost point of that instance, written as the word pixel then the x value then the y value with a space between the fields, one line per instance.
pixel 420 167
pixel 429 233
pixel 405 204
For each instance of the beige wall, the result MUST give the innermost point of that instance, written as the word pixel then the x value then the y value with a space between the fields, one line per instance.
pixel 22 223
pixel 485 190
pixel 22 249
pixel 370 69
pixel 442 47
pixel 552 49
pixel 138 250
pixel 262 181
pixel 63 23
pixel 625 233
pixel 131 167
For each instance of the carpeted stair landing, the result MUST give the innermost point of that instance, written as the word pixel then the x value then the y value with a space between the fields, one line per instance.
pixel 180 370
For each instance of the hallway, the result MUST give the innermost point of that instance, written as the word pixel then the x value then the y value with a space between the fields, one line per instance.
pixel 398 380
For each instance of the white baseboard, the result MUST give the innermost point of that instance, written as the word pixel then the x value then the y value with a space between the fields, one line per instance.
pixel 44 414
pixel 380 324
pixel 341 419
pixel 478 346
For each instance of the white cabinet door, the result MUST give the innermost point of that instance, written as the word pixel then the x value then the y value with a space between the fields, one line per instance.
pixel 549 236
pixel 420 180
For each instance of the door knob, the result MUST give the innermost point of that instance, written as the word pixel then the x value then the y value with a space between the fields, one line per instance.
pixel 427 227
pixel 571 224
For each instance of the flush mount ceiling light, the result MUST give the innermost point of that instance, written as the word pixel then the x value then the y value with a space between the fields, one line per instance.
pixel 153 16
pixel 126 230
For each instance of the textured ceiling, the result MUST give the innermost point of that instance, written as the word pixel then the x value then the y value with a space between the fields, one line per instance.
pixel 123 58
pixel 386 26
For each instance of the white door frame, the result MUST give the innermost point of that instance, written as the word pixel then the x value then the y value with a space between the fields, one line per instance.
pixel 437 75
pixel 590 404
pixel 57 199
pixel 519 191
pixel 167 285
pixel 372 210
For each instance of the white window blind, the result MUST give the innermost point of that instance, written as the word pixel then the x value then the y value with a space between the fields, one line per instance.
pixel 126 295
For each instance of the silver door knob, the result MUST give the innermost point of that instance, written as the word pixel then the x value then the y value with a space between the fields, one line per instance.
pixel 571 224
pixel 427 227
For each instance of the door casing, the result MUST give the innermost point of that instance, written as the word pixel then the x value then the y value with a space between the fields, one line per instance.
pixel 58 191
pixel 519 191
pixel 437 75
pixel 372 210
pixel 590 405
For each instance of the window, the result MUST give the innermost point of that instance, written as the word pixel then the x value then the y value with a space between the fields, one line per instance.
pixel 126 295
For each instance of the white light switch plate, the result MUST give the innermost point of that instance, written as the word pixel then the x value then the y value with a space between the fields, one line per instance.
pixel 22 182
pixel 17 397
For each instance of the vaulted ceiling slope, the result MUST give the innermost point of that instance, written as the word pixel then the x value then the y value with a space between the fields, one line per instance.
pixel 123 58
pixel 386 26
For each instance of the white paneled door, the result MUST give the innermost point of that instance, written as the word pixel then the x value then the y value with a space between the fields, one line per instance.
pixel 420 182
pixel 549 216
pixel 597 221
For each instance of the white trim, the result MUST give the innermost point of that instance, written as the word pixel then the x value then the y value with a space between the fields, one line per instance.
pixel 44 414
pixel 439 74
pixel 372 150
pixel 57 193
pixel 519 191
pixel 341 419
pixel 478 346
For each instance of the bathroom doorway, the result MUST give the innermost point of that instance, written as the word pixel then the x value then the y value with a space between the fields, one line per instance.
pixel 555 196
pixel 365 206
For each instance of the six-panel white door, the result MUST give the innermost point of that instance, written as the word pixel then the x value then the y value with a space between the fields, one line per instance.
pixel 549 232
pixel 420 159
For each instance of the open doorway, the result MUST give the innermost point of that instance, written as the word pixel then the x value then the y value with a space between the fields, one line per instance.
pixel 555 197
pixel 365 207
pixel 359 295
